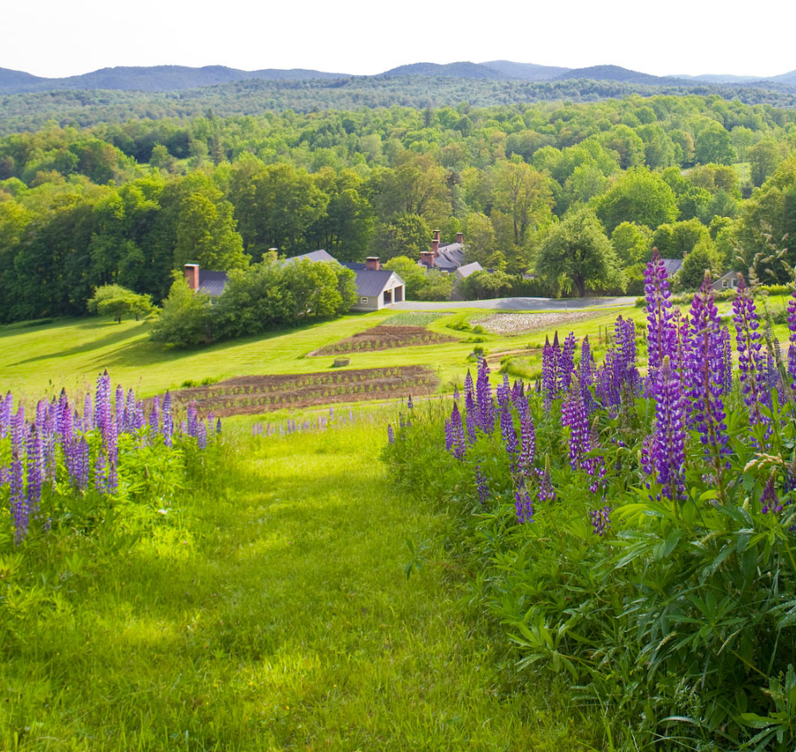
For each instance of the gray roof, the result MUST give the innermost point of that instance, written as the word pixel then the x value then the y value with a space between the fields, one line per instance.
pixel 450 257
pixel 213 283
pixel 371 282
pixel 672 266
pixel 468 269
pixel 354 265
pixel 312 256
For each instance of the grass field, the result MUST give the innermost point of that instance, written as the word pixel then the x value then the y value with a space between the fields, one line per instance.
pixel 71 352
pixel 268 610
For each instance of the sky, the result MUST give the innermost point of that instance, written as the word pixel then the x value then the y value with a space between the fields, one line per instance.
pixel 53 38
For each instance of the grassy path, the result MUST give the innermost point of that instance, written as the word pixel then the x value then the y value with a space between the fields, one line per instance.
pixel 271 612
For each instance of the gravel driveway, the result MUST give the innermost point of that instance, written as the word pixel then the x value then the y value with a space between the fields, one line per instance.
pixel 516 304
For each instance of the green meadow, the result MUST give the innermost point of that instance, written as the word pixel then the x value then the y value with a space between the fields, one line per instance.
pixel 68 352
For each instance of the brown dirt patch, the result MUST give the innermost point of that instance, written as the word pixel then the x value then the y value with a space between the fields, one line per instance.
pixel 262 394
pixel 384 337
pixel 522 323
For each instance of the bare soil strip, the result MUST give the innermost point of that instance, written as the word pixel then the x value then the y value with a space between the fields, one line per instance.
pixel 248 395
pixel 384 337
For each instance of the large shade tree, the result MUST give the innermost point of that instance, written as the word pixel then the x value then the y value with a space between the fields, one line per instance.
pixel 577 253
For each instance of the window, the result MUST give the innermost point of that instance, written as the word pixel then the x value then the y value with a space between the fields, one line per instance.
pixel 363 300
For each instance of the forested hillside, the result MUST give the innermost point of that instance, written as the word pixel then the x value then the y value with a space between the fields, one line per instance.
pixel 83 108
pixel 578 193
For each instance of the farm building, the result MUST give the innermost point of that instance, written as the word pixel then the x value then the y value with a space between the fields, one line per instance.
pixel 728 281
pixel 376 287
pixel 446 258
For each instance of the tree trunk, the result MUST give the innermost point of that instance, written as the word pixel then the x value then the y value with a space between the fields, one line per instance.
pixel 580 283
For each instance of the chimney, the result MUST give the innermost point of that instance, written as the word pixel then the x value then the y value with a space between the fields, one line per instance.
pixel 372 262
pixel 192 276
pixel 460 237
pixel 427 258
pixel 436 235
pixel 435 244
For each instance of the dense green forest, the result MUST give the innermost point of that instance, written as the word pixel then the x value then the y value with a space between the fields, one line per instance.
pixel 83 108
pixel 577 192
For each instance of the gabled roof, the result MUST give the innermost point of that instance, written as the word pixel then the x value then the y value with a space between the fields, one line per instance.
pixel 672 266
pixel 213 283
pixel 450 257
pixel 468 269
pixel 355 266
pixel 371 282
pixel 312 256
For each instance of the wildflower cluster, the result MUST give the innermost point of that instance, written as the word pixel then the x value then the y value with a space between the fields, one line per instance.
pixel 57 449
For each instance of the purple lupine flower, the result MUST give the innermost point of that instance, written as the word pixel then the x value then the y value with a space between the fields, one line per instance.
pixel 102 403
pixel 661 336
pixel 586 365
pixel 409 404
pixel 119 410
pixel 748 342
pixel 483 391
pixel 456 396
pixel 668 443
pixel 518 390
pixel 35 471
pixel 792 337
pixel 19 507
pixel 546 490
pixel 112 448
pixel 551 356
pixel 154 416
pixel 503 391
pixel 566 364
pixel 769 500
pixel 168 422
pixel 458 446
pixel 508 432
pixel 601 520
pixel 704 373
pixel 192 426
pixel 482 486
pixel 682 343
pixel 81 464
pixel 573 416
pixel 470 409
pixel 100 473
pixel 201 435
pixel 527 437
pixel 390 433
pixel 523 506
pixel 726 361
pixel 218 425
pixel 6 411
pixel 18 430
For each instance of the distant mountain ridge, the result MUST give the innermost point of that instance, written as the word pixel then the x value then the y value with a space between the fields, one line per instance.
pixel 153 78
pixel 166 78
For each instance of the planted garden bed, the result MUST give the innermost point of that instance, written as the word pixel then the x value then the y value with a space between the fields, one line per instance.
pixel 522 323
pixel 261 394
pixel 384 337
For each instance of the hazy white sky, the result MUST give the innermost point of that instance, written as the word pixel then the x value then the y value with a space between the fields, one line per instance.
pixel 57 38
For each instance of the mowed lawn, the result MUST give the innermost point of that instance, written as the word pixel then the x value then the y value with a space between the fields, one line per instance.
pixel 267 610
pixel 71 352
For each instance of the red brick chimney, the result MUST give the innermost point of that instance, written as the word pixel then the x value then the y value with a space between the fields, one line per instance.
pixel 460 237
pixel 435 244
pixel 427 258
pixel 372 262
pixel 192 276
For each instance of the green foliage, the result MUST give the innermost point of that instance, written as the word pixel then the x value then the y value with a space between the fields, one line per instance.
pixel 677 240
pixel 118 302
pixel 701 258
pixel 128 202
pixel 639 196
pixel 631 242
pixel 577 252
pixel 186 319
